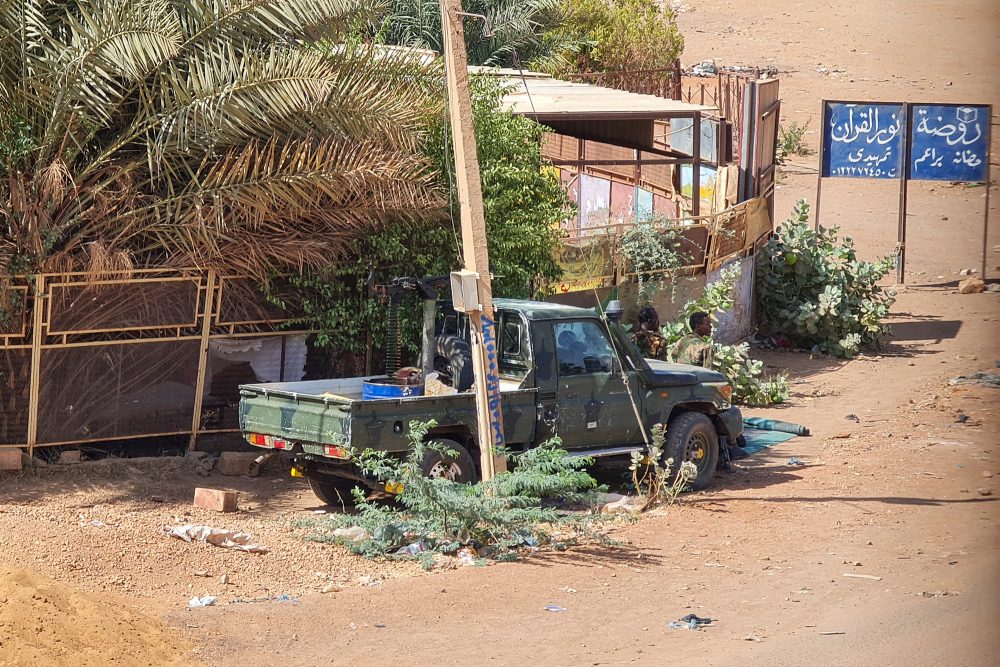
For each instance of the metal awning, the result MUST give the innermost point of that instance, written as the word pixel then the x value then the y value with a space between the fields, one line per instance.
pixel 589 112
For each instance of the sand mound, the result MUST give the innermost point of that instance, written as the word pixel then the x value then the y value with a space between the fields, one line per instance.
pixel 43 622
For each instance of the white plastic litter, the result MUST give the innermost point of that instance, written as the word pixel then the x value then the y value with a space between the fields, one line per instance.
pixel 228 539
pixel 206 601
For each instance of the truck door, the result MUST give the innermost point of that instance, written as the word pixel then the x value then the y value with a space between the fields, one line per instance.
pixel 592 404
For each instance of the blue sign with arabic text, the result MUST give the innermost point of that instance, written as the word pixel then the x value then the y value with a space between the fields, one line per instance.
pixel 950 143
pixel 863 140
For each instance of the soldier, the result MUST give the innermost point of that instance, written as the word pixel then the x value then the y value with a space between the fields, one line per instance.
pixel 695 348
pixel 648 338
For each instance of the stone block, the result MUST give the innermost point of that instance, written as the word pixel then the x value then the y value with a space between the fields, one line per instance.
pixel 10 459
pixel 238 463
pixel 69 457
pixel 216 500
pixel 971 286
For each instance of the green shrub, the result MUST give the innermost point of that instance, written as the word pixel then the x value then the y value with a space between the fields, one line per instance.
pixel 442 515
pixel 652 250
pixel 790 141
pixel 812 288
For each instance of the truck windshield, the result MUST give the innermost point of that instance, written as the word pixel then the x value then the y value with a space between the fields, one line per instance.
pixel 582 348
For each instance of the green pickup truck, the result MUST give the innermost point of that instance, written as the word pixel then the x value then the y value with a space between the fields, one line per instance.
pixel 564 372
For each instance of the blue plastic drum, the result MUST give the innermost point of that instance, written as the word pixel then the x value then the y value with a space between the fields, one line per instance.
pixel 386 387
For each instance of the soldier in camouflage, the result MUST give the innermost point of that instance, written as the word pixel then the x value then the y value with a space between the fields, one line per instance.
pixel 695 348
pixel 648 338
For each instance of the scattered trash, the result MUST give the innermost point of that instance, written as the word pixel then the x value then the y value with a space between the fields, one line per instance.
pixel 690 622
pixel 796 462
pixel 568 589
pixel 273 598
pixel 331 587
pixel 97 523
pixel 224 579
pixel 554 607
pixel 853 418
pixel 936 594
pixel 368 580
pixel 705 68
pixel 467 555
pixel 862 576
pixel 753 638
pixel 833 632
pixel 984 492
pixel 979 377
pixel 198 602
pixel 961 419
pixel 201 573
pixel 228 539
pixel 352 534
pixel 411 549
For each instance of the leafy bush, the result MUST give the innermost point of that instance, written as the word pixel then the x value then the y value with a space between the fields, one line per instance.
pixel 790 141
pixel 442 515
pixel 652 251
pixel 613 36
pixel 733 361
pixel 812 288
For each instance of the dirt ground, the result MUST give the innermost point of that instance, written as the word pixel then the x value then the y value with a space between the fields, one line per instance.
pixel 904 492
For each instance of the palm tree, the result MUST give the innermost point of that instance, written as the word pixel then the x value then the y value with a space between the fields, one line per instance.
pixel 517 28
pixel 223 133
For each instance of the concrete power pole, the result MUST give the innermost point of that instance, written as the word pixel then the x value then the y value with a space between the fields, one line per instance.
pixel 485 347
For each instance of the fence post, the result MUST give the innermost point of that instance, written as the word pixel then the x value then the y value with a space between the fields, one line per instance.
pixel 34 387
pixel 206 330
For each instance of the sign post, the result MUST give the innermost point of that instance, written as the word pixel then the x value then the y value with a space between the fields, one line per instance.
pixel 905 141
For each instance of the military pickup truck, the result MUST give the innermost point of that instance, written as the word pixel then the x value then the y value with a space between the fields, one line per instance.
pixel 563 371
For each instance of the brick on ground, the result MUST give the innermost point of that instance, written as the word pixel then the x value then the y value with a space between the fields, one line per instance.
pixel 69 457
pixel 10 459
pixel 215 499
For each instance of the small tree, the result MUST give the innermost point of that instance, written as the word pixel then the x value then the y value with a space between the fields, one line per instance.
pixel 524 205
pixel 613 36
pixel 812 288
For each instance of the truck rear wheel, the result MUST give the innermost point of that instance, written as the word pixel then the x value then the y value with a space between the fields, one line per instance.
pixel 691 436
pixel 461 468
pixel 334 491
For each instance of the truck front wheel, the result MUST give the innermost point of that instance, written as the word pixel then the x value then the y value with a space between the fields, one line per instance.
pixel 692 437
pixel 334 491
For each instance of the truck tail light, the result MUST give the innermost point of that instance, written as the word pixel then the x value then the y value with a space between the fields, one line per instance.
pixel 727 392
pixel 336 452
pixel 261 440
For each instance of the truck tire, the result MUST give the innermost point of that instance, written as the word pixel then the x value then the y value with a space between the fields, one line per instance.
pixel 461 468
pixel 691 436
pixel 334 491
pixel 453 360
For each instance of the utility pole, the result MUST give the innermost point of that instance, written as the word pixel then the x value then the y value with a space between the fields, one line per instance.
pixel 483 333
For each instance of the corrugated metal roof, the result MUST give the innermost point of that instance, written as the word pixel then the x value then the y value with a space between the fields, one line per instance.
pixel 547 99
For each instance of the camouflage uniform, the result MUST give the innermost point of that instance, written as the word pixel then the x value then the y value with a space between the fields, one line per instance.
pixel 693 350
pixel 651 344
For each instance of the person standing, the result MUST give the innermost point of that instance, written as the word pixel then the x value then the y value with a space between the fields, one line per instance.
pixel 647 336
pixel 695 348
